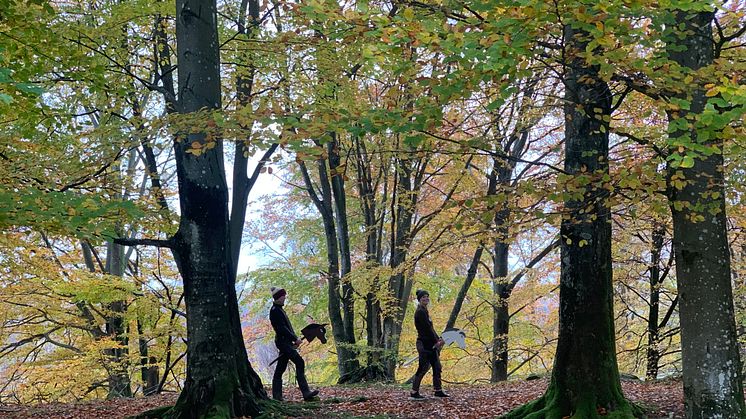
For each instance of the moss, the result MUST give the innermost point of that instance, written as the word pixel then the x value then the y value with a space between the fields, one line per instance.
pixel 275 409
pixel 554 405
pixel 156 413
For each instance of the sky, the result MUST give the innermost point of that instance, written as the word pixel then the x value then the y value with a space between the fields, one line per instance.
pixel 265 184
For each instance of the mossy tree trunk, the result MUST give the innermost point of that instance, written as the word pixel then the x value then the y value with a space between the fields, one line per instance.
pixel 585 377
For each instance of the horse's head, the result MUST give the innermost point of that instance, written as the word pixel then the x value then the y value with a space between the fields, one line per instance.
pixel 313 331
pixel 322 333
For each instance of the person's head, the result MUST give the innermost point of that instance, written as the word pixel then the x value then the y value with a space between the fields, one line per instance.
pixel 423 297
pixel 278 295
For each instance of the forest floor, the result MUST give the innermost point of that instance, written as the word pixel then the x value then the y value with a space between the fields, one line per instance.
pixel 662 399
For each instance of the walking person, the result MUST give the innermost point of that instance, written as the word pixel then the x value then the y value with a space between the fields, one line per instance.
pixel 287 343
pixel 428 348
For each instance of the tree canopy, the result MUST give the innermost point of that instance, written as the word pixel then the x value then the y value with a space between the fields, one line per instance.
pixel 565 178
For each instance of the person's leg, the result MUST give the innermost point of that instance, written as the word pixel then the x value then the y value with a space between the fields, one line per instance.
pixel 300 375
pixel 422 367
pixel 300 371
pixel 437 368
pixel 282 365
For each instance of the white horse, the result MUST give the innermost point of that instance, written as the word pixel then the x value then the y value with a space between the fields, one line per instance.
pixel 453 335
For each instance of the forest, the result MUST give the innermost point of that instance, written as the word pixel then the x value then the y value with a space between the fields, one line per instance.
pixel 564 178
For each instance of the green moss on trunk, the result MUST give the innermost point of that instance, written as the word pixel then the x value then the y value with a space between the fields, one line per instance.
pixel 556 404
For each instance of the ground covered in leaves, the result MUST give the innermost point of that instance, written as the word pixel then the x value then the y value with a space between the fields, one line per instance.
pixel 662 399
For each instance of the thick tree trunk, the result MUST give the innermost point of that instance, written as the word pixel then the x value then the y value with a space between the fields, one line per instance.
pixel 713 386
pixel 653 351
pixel 220 381
pixel 585 377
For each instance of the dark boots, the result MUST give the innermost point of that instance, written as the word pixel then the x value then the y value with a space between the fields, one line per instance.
pixel 300 375
pixel 308 394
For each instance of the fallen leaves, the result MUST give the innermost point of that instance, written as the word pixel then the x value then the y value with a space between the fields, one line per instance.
pixel 662 399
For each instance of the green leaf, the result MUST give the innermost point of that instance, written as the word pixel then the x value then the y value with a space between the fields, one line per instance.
pixel 687 162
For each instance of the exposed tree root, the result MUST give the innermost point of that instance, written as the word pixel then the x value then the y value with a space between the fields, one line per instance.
pixel 552 405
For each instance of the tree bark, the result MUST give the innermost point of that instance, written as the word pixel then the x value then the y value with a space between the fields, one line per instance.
pixel 713 385
pixel 585 377
pixel 220 381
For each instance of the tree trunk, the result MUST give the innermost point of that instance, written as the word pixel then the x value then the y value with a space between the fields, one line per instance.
pixel 653 351
pixel 242 183
pixel 116 358
pixel 501 318
pixel 713 387
pixel 585 377
pixel 351 364
pixel 148 365
pixel 220 381
pixel 374 367
pixel 461 296
pixel 400 286
pixel 501 287
pixel 323 200
pixel 119 379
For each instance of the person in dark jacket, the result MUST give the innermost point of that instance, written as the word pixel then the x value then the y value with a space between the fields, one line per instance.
pixel 428 348
pixel 287 343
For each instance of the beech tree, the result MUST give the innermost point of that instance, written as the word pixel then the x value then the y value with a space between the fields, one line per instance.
pixel 585 376
pixel 220 381
pixel 713 383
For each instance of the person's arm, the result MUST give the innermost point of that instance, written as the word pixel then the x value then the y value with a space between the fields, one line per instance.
pixel 419 323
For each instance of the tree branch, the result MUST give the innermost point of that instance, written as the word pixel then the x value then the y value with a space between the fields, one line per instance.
pixel 169 243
